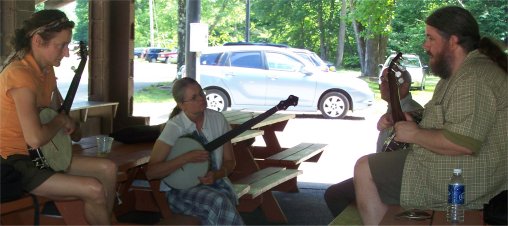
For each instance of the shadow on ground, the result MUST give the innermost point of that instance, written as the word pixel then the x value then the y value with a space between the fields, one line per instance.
pixel 306 207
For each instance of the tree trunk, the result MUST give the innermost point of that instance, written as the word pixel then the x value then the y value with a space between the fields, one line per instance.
pixel 383 43
pixel 322 51
pixel 360 43
pixel 342 34
pixel 371 56
pixel 181 33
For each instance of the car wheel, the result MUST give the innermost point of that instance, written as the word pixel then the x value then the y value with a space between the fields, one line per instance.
pixel 216 100
pixel 168 61
pixel 153 60
pixel 334 105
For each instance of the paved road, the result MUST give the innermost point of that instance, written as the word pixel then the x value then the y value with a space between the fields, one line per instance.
pixel 145 74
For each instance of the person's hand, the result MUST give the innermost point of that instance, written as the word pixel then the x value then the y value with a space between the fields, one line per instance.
pixel 196 156
pixel 68 123
pixel 207 179
pixel 76 135
pixel 385 121
pixel 409 117
pixel 405 131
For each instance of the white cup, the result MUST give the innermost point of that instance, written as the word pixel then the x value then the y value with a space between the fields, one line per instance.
pixel 104 145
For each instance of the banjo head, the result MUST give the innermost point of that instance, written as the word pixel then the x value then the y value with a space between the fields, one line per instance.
pixel 58 151
pixel 187 175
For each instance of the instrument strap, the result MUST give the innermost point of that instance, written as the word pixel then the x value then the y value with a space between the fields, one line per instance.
pixel 202 139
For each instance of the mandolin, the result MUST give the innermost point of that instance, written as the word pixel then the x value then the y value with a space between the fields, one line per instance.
pixel 187 176
pixel 394 74
pixel 57 153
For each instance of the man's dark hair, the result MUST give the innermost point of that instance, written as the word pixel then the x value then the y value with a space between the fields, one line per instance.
pixel 454 20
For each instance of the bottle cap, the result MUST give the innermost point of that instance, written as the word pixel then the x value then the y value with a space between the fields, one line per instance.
pixel 457 171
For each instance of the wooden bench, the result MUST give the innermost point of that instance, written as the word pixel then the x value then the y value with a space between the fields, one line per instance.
pixel 261 184
pixel 148 197
pixel 471 217
pixel 22 212
pixel 11 211
pixel 291 158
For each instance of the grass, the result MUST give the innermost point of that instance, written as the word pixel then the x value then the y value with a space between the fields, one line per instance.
pixel 430 85
pixel 156 93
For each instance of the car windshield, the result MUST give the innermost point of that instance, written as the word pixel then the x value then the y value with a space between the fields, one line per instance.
pixel 408 62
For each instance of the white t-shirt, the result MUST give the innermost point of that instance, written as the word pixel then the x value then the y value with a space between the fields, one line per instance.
pixel 214 126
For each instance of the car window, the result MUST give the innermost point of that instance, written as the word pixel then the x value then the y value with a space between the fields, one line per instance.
pixel 282 62
pixel 410 62
pixel 246 59
pixel 307 57
pixel 210 59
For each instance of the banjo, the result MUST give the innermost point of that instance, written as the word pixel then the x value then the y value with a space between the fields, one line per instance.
pixel 57 153
pixel 187 175
pixel 397 115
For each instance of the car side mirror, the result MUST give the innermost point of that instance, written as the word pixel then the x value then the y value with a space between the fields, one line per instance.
pixel 425 69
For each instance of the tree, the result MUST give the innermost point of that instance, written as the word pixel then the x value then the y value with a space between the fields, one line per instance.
pixel 181 32
pixel 374 17
pixel 81 29
pixel 342 34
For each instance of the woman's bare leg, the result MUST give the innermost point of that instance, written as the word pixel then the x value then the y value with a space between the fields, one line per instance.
pixel 88 189
pixel 103 170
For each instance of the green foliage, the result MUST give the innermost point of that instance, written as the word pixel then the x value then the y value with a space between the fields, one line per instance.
pixel 375 16
pixel 81 29
pixel 351 61
pixel 296 23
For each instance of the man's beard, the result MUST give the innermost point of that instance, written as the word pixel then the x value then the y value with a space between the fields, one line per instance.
pixel 442 65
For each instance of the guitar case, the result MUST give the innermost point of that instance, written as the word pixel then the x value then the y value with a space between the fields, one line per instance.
pixel 137 134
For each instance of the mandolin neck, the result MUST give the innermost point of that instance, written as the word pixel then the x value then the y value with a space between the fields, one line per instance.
pixel 397 114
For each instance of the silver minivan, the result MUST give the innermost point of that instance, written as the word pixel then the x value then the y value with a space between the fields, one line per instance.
pixel 259 77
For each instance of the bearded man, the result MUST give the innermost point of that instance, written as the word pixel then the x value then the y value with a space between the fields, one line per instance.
pixel 464 126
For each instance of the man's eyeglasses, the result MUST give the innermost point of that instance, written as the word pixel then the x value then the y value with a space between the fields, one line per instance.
pixel 196 97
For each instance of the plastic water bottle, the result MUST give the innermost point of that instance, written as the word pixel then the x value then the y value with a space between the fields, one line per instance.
pixel 456 196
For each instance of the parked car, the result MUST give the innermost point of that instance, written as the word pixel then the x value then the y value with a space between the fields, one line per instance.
pixel 152 53
pixel 138 52
pixel 259 77
pixel 413 65
pixel 314 59
pixel 169 57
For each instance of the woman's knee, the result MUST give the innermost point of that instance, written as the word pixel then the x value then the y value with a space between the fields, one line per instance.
pixel 108 167
pixel 94 190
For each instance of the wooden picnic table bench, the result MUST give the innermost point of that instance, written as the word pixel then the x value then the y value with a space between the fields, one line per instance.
pixel 272 154
pixel 471 217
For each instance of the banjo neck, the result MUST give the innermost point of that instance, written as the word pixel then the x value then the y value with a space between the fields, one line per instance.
pixel 283 105
pixel 69 98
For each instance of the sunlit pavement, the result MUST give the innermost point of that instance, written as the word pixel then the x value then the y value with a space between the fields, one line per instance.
pixel 347 139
